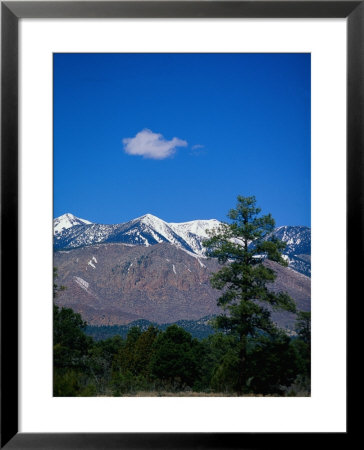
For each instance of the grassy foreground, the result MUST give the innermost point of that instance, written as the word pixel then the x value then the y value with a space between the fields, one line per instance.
pixel 205 394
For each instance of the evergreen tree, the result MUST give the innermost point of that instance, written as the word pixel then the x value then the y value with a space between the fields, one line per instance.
pixel 303 326
pixel 272 364
pixel 176 358
pixel 302 347
pixel 70 343
pixel 144 350
pixel 56 288
pixel 241 247
pixel 125 359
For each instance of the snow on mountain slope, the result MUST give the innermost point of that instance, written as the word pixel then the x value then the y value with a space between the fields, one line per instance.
pixel 67 221
pixel 147 230
pixel 159 229
pixel 298 239
pixel 298 247
pixel 81 235
pixel 194 232
pixel 197 227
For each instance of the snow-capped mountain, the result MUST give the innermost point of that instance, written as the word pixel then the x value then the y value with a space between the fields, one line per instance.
pixel 72 232
pixel 194 232
pixel 145 230
pixel 298 247
pixel 67 221
pixel 297 239
pixel 197 227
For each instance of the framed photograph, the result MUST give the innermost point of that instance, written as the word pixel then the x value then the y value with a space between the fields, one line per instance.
pixel 162 163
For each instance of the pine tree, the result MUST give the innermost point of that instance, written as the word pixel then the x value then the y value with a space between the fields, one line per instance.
pixel 56 288
pixel 303 326
pixel 241 247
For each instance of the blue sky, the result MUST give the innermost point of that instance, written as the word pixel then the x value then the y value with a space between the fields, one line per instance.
pixel 181 135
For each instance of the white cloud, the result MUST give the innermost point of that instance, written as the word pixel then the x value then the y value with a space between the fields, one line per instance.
pixel 197 147
pixel 151 145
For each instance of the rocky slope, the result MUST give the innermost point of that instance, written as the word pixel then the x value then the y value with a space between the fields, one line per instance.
pixel 116 283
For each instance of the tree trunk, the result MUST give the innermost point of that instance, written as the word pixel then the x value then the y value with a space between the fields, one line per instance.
pixel 242 365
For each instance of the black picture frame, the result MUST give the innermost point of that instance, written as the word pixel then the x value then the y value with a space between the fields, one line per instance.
pixel 11 12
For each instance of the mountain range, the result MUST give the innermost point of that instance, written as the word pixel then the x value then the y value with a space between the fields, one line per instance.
pixel 73 232
pixel 148 269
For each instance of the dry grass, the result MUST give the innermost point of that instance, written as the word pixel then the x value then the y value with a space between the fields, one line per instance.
pixel 189 394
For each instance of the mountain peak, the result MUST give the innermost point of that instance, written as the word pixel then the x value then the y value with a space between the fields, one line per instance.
pixel 149 219
pixel 149 216
pixel 66 221
pixel 68 216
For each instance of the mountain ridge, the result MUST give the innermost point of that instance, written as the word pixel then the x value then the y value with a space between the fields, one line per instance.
pixel 144 230
pixel 73 232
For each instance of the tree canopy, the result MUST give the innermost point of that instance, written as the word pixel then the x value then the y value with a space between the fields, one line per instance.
pixel 241 247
